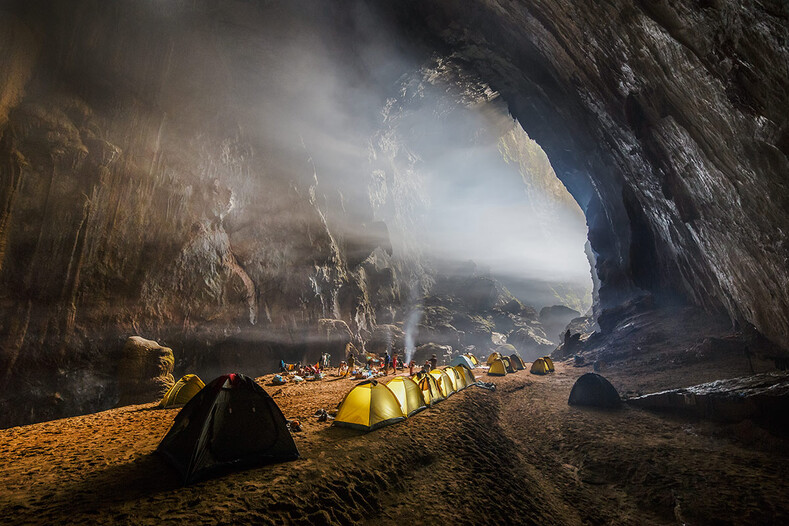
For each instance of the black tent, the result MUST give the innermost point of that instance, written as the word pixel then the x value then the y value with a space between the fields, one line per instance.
pixel 232 423
pixel 517 363
pixel 593 390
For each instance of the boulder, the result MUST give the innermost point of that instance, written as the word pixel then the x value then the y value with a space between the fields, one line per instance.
pixel 145 371
pixel 593 390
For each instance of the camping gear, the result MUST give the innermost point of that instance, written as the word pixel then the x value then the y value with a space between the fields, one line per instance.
pixel 507 364
pixel 539 367
pixel 462 360
pixel 232 423
pixel 467 375
pixel 591 389
pixel 408 394
pixel 517 363
pixel 494 356
pixel 297 378
pixel 443 382
pixel 430 390
pixel 368 406
pixel 183 391
pixel 278 380
pixel 460 378
pixel 549 363
pixel 497 368
pixel 486 385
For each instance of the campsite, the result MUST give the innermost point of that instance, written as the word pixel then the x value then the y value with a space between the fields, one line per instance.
pixel 429 262
pixel 557 464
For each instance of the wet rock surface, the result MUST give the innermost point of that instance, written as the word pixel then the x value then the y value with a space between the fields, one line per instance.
pixel 763 397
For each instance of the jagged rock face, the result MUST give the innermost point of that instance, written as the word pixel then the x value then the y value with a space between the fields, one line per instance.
pixel 668 123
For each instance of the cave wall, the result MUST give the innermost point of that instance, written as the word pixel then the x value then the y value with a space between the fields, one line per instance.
pixel 666 120
pixel 136 197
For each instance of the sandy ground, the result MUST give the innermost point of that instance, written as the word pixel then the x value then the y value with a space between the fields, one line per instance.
pixel 519 455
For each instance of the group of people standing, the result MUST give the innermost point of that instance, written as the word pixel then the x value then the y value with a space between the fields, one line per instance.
pixel 390 361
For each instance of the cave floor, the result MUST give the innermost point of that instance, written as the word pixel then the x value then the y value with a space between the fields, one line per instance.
pixel 519 455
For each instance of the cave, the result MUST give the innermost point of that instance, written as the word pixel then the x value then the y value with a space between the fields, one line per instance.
pixel 217 187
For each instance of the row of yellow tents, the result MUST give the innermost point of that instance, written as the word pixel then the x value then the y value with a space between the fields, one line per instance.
pixel 372 404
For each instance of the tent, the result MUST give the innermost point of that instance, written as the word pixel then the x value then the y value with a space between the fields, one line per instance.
pixel 408 394
pixel 497 368
pixel 492 357
pixel 453 378
pixel 232 423
pixel 539 367
pixel 461 378
pixel 508 364
pixel 549 363
pixel 368 406
pixel 462 360
pixel 183 391
pixel 467 374
pixel 517 363
pixel 593 390
pixel 430 389
pixel 473 359
pixel 443 382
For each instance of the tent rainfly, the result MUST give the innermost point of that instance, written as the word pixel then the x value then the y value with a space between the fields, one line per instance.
pixel 408 394
pixel 368 406
pixel 497 368
pixel 183 391
pixel 232 423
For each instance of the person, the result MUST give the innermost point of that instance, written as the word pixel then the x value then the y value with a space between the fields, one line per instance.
pixel 369 363
pixel 411 366
pixel 426 367
pixel 394 364
pixel 387 361
pixel 283 367
pixel 342 370
pixel 351 361
pixel 433 362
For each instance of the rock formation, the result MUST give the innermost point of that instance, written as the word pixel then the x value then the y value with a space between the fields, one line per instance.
pixel 145 371
pixel 152 183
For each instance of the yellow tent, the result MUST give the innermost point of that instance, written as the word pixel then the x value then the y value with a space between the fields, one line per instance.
pixel 443 382
pixel 539 367
pixel 430 389
pixel 467 375
pixel 460 377
pixel 473 358
pixel 408 394
pixel 453 378
pixel 183 391
pixel 508 364
pixel 549 363
pixel 492 357
pixel 368 406
pixel 497 368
